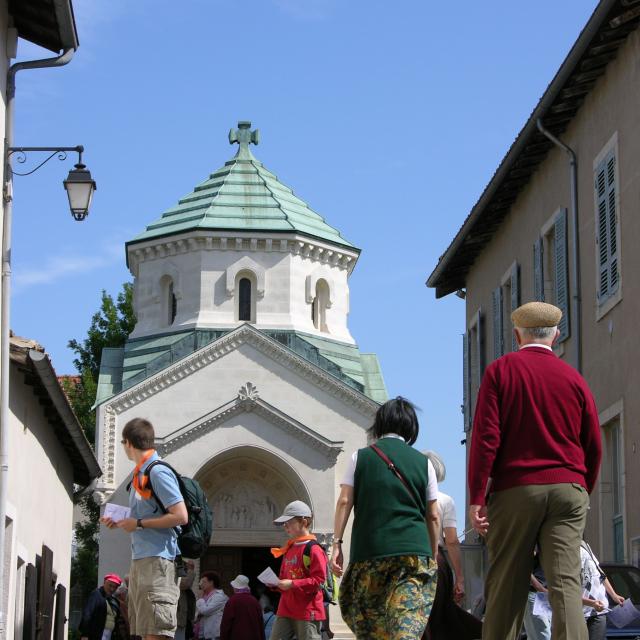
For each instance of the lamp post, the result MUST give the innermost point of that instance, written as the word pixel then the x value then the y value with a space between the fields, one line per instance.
pixel 79 184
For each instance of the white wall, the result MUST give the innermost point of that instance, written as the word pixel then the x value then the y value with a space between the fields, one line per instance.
pixel 40 489
pixel 200 279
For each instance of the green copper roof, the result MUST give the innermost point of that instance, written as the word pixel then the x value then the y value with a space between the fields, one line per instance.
pixel 141 358
pixel 242 196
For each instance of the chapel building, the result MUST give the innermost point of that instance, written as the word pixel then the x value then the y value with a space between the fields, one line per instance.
pixel 242 359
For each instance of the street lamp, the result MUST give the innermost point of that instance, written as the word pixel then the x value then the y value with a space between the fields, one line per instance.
pixel 79 184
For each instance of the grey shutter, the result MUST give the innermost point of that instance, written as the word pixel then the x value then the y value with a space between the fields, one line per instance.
pixel 498 328
pixel 515 298
pixel 606 235
pixel 538 270
pixel 466 382
pixel 562 272
pixel 480 345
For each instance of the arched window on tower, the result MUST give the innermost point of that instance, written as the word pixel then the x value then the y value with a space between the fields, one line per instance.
pixel 320 305
pixel 169 302
pixel 246 297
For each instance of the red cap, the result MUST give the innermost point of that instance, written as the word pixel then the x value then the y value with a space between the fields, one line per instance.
pixel 113 577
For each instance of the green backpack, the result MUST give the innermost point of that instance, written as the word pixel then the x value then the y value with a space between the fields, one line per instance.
pixel 330 585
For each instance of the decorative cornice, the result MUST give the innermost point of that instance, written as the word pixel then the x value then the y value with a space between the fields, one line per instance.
pixel 321 252
pixel 245 334
pixel 248 400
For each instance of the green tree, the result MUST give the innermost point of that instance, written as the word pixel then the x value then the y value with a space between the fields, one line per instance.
pixel 110 327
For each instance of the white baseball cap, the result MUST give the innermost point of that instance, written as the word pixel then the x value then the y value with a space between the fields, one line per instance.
pixel 295 509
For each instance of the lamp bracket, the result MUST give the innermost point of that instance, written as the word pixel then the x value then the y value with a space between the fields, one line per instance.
pixel 60 152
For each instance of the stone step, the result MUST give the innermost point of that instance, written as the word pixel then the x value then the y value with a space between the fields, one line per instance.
pixel 341 632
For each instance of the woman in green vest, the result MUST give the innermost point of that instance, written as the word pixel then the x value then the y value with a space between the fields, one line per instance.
pixel 389 586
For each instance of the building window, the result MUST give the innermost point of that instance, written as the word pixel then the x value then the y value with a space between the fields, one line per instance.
pixel 607 227
pixel 320 305
pixel 550 268
pixel 169 301
pixel 612 492
pixel 244 301
pixel 506 299
pixel 246 297
pixel 473 366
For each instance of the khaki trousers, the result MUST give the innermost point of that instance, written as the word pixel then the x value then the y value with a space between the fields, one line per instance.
pixel 553 516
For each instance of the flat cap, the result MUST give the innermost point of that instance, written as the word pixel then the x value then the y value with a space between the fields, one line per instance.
pixel 536 314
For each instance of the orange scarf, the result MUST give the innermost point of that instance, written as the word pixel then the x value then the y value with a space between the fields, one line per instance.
pixel 280 551
pixel 137 485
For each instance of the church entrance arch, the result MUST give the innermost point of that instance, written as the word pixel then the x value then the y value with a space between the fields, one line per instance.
pixel 247 487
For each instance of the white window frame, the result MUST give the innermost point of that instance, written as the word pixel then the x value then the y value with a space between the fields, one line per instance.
pixel 615 412
pixel 615 298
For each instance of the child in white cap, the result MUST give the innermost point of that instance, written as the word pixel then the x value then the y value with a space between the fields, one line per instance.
pixel 301 607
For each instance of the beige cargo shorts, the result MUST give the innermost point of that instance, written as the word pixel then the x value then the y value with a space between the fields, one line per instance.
pixel 153 597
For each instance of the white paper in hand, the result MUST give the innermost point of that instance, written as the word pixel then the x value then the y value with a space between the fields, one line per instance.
pixel 623 614
pixel 268 577
pixel 116 512
pixel 541 606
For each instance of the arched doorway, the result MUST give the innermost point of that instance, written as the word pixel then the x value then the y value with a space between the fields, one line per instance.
pixel 247 487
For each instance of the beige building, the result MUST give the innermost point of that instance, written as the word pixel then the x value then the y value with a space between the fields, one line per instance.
pixel 50 464
pixel 543 231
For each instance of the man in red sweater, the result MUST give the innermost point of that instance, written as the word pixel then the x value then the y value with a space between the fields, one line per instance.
pixel 536 450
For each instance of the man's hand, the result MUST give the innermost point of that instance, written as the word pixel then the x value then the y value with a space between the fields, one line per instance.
pixel 478 517
pixel 110 524
pixel 127 524
pixel 284 585
pixel 458 590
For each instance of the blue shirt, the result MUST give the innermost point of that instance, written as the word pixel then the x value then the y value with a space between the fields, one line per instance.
pixel 150 543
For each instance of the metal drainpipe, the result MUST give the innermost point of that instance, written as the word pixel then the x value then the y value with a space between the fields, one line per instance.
pixel 6 299
pixel 575 254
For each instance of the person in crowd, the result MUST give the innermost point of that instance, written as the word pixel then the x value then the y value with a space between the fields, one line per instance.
pixel 101 611
pixel 536 434
pixel 242 618
pixel 595 587
pixel 122 622
pixel 153 583
pixel 388 588
pixel 210 605
pixel 538 627
pixel 268 617
pixel 301 608
pixel 447 620
pixel 186 604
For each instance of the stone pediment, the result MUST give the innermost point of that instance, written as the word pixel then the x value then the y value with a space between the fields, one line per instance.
pixel 245 334
pixel 248 400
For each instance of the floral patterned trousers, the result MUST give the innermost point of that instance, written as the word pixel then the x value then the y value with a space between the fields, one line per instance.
pixel 388 598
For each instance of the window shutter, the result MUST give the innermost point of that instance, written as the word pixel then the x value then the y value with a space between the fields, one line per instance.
pixel 30 603
pixel 480 345
pixel 466 382
pixel 562 272
pixel 606 229
pixel 538 270
pixel 515 298
pixel 498 329
pixel 61 618
pixel 46 595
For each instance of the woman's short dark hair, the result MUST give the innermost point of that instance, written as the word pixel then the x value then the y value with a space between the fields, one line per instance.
pixel 139 433
pixel 397 416
pixel 214 577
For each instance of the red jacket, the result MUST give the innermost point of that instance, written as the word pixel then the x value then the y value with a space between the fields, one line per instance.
pixel 242 619
pixel 535 422
pixel 304 600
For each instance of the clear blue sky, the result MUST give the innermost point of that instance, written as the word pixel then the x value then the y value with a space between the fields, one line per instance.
pixel 388 118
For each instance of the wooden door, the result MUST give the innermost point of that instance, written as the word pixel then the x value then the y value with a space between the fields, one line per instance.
pixel 226 561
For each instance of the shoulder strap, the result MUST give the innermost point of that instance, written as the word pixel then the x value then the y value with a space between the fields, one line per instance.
pixel 392 467
pixel 587 548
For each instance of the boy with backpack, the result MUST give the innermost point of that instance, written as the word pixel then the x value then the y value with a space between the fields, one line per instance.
pixel 301 607
pixel 153 583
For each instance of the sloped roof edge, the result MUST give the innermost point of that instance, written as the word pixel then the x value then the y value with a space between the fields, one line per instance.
pixel 530 146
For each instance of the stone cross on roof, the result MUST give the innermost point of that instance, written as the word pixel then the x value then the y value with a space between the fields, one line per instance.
pixel 244 137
